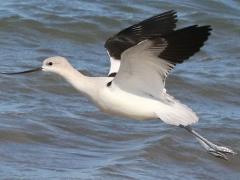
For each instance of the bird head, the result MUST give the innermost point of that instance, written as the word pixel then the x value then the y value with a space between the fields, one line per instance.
pixel 56 64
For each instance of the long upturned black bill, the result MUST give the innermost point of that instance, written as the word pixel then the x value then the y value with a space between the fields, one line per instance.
pixel 23 72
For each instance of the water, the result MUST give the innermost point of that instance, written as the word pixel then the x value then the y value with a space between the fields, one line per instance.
pixel 49 131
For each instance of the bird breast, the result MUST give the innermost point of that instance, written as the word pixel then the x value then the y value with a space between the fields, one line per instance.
pixel 118 102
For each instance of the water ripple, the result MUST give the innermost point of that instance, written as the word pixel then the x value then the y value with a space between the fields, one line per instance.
pixel 49 131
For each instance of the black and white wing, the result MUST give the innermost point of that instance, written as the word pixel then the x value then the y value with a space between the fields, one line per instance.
pixel 145 66
pixel 153 27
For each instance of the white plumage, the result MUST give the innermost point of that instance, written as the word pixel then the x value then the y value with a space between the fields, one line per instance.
pixel 141 58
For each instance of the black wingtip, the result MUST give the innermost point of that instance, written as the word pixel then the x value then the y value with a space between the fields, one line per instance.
pixel 184 43
pixel 171 12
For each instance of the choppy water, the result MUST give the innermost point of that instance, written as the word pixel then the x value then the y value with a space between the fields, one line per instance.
pixel 49 131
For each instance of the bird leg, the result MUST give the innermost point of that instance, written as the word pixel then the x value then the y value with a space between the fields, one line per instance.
pixel 213 149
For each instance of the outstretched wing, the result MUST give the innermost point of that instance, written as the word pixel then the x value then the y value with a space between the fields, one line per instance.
pixel 153 27
pixel 145 66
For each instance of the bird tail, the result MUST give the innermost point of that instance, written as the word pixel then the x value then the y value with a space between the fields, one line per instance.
pixel 176 113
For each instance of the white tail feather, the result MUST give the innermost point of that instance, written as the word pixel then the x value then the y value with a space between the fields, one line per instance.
pixel 176 113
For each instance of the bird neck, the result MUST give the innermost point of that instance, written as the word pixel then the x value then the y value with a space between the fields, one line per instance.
pixel 79 81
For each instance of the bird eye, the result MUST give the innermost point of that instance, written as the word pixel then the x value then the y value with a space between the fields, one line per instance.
pixel 49 63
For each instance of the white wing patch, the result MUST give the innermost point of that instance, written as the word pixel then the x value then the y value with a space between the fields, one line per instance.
pixel 114 65
pixel 142 72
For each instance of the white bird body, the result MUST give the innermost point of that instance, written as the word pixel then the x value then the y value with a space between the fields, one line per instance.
pixel 108 99
pixel 114 100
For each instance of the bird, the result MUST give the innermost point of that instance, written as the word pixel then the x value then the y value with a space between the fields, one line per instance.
pixel 141 58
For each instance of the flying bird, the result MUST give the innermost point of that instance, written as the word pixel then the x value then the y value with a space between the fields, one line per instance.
pixel 141 57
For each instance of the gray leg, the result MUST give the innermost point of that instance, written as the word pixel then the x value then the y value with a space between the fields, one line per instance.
pixel 218 151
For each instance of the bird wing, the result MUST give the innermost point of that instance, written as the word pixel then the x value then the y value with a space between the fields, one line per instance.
pixel 145 66
pixel 153 27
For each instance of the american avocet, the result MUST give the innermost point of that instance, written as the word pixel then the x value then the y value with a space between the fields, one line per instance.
pixel 141 58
